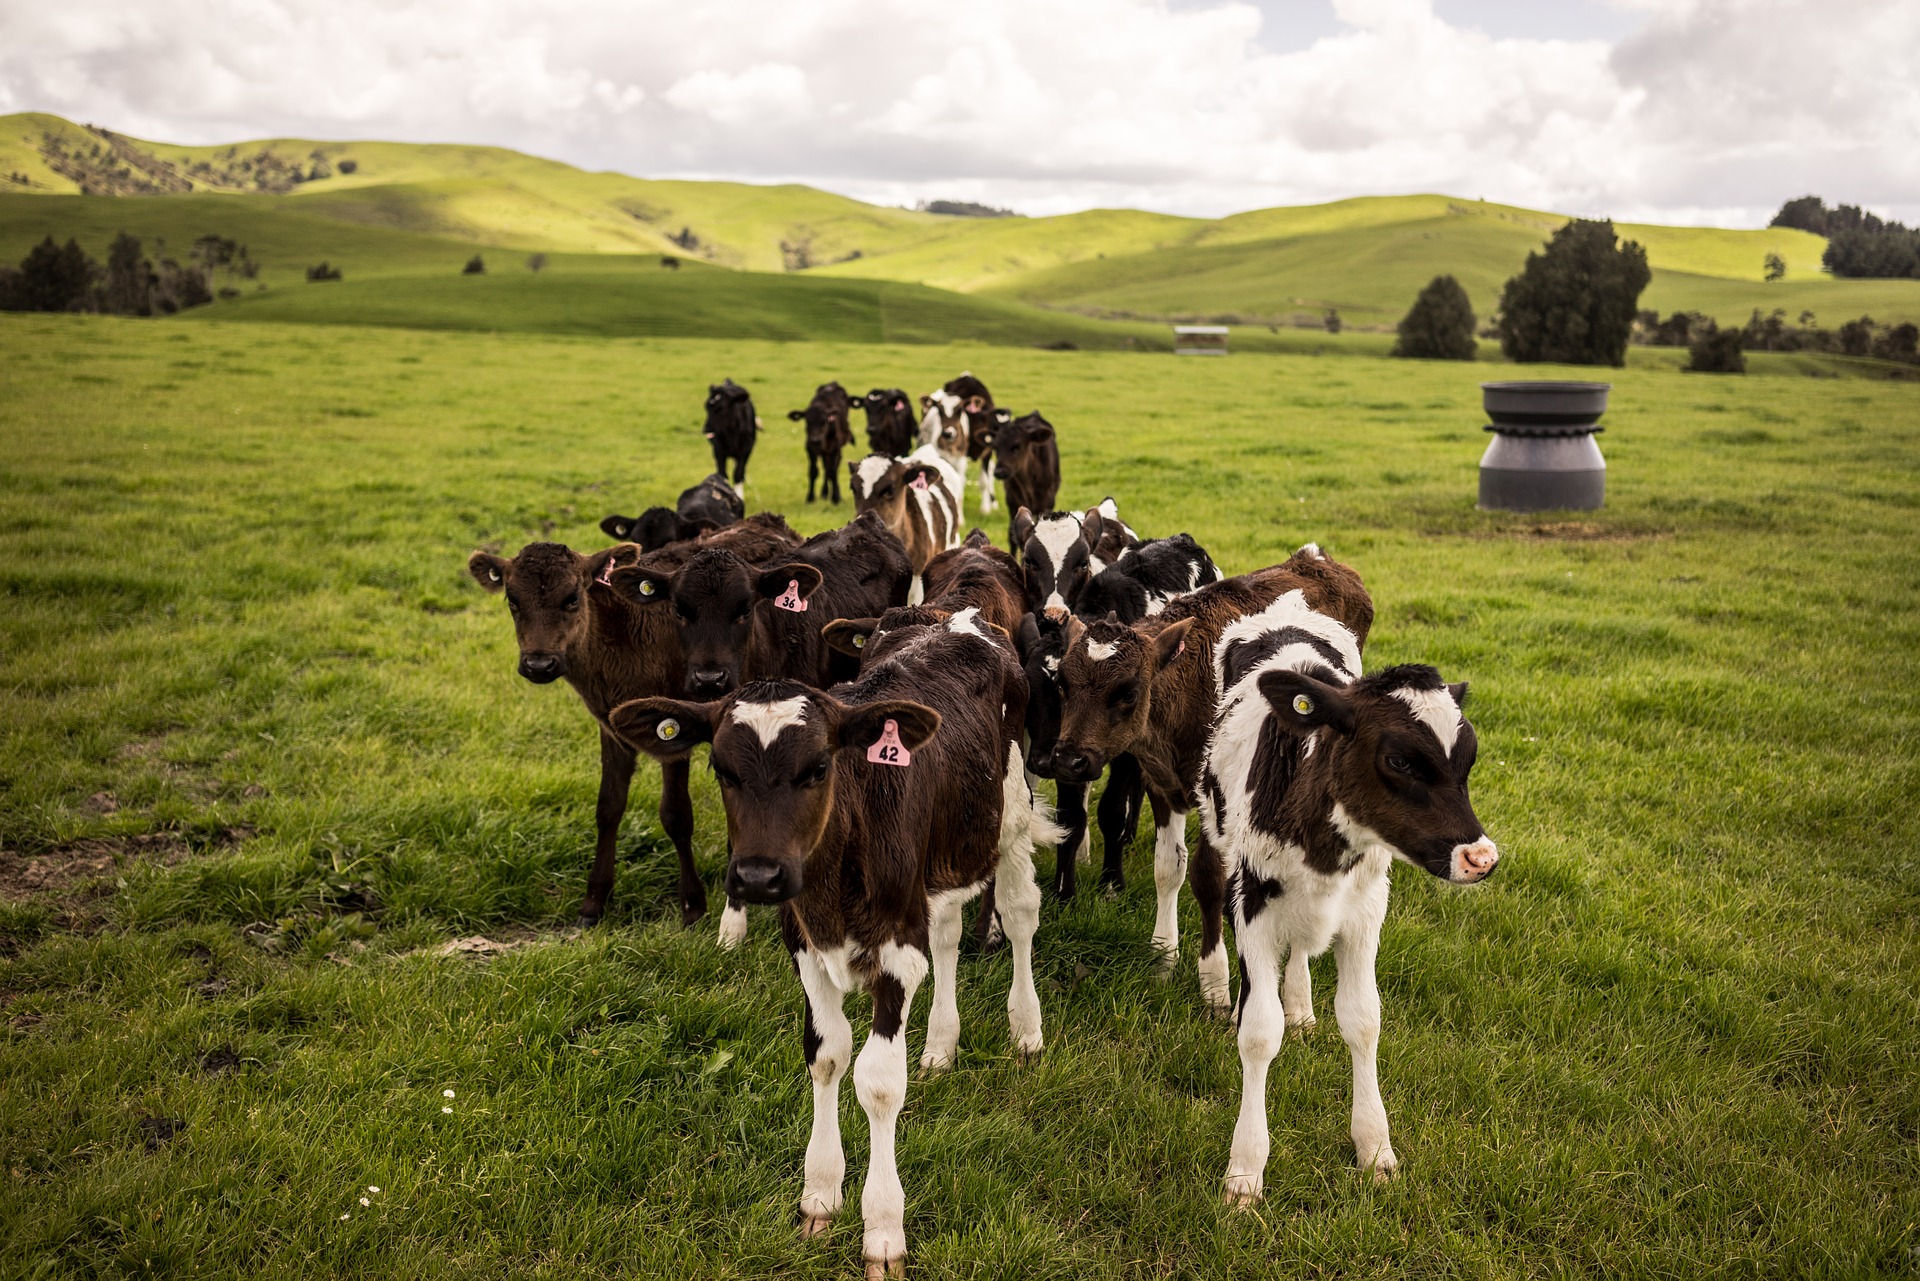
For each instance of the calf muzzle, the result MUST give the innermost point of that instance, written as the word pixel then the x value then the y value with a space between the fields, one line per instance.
pixel 1474 862
pixel 542 669
pixel 1075 764
pixel 709 684
pixel 759 880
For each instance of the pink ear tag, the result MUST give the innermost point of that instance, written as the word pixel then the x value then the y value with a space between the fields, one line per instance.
pixel 920 481
pixel 604 577
pixel 888 749
pixel 791 600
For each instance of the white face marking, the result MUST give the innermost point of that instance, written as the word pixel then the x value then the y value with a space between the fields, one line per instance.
pixel 967 621
pixel 1435 709
pixel 1099 651
pixel 1052 665
pixel 870 469
pixel 1056 535
pixel 768 719
pixel 1108 509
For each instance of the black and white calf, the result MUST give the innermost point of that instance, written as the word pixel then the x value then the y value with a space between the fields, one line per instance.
pixel 1061 551
pixel 841 807
pixel 1316 780
pixel 1146 579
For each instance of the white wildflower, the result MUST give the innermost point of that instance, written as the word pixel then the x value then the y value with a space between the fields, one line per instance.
pixel 345 1217
pixel 364 1201
pixel 446 1094
pixel 372 1189
pixel 449 1111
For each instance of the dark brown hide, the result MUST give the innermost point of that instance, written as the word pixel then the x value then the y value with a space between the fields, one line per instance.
pixel 829 430
pixel 1026 458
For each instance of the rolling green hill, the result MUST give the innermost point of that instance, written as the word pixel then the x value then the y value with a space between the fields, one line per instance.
pixel 384 210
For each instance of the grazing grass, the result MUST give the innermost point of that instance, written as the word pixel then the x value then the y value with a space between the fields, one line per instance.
pixel 264 755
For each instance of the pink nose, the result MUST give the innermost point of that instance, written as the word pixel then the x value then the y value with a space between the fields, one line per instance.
pixel 1476 860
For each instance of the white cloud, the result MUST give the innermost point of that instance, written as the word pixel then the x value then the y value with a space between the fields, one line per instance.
pixel 1712 108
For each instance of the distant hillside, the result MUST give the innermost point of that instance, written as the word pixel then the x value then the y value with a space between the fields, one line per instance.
pixel 381 209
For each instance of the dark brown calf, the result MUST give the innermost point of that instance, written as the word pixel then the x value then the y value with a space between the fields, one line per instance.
pixel 732 427
pixel 572 625
pixel 1026 458
pixel 890 420
pixel 842 807
pixel 712 504
pixel 740 621
pixel 1149 690
pixel 829 430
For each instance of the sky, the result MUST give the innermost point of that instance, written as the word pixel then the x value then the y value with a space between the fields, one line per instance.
pixel 1707 112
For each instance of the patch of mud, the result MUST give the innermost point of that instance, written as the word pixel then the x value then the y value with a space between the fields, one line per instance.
pixel 1574 531
pixel 85 869
pixel 482 945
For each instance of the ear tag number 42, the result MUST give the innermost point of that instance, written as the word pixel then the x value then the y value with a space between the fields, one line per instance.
pixel 888 749
pixel 791 600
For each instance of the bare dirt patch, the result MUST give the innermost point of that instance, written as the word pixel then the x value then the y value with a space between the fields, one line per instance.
pixel 83 870
pixel 1574 531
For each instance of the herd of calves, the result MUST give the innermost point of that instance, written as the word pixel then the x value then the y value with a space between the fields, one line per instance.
pixel 877 699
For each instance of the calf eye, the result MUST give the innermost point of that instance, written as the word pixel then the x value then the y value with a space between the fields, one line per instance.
pixel 1124 697
pixel 572 603
pixel 740 619
pixel 816 775
pixel 725 777
pixel 1399 764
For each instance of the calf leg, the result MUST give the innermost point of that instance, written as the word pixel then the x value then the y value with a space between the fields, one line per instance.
pixel 986 487
pixel 829 1049
pixel 1356 1002
pixel 1119 819
pixel 733 921
pixel 1209 879
pixel 1071 813
pixel 1262 1026
pixel 943 941
pixel 1019 902
pixel 880 1079
pixel 831 481
pixel 986 926
pixel 1169 870
pixel 616 777
pixel 813 472
pixel 1296 992
pixel 676 820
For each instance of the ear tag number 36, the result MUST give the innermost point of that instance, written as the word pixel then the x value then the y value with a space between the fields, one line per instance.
pixel 888 749
pixel 791 600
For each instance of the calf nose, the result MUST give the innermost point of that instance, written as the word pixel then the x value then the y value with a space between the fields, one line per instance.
pixel 541 668
pixel 708 684
pixel 758 881
pixel 1473 862
pixel 1041 762
pixel 1073 765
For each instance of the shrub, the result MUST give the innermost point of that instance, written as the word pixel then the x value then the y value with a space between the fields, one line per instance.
pixel 476 266
pixel 1776 267
pixel 348 166
pixel 1331 321
pixel 1573 302
pixel 669 262
pixel 321 271
pixel 52 278
pixel 1439 326
pixel 536 262
pixel 1716 351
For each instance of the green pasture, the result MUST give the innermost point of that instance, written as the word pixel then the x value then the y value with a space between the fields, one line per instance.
pixel 263 755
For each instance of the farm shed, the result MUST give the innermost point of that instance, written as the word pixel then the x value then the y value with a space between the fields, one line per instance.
pixel 1199 340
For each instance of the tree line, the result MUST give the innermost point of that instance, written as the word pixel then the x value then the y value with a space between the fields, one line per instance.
pixel 1859 244
pixel 56 277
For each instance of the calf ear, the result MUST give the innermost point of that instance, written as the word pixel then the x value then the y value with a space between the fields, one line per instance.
pixel 1028 637
pixel 1303 704
pixel 601 565
pixel 860 727
pixel 642 586
pixel 664 727
pixel 849 635
pixel 796 415
pixel 772 582
pixel 1022 528
pixel 926 402
pixel 1090 525
pixel 1459 692
pixel 1037 434
pixel 1170 643
pixel 617 527
pixel 1003 416
pixel 488 570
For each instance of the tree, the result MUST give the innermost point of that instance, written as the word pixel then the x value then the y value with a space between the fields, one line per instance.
pixel 321 271
pixel 1573 302
pixel 1331 321
pixel 1716 351
pixel 536 262
pixel 1776 267
pixel 476 266
pixel 1439 326
pixel 129 278
pixel 54 278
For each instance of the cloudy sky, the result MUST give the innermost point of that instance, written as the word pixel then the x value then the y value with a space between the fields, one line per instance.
pixel 1697 111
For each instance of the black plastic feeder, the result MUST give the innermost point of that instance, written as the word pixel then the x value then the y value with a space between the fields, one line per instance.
pixel 1543 455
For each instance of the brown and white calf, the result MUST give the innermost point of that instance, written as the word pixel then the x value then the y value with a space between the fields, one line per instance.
pixel 570 624
pixel 983 425
pixel 712 504
pixel 1026 458
pixel 1316 780
pixel 829 430
pixel 918 498
pixel 1149 690
pixel 740 621
pixel 842 807
pixel 890 421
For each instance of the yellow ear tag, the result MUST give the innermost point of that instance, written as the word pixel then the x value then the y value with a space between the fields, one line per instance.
pixel 1302 704
pixel 668 730
pixel 493 574
pixel 646 587
pixel 859 641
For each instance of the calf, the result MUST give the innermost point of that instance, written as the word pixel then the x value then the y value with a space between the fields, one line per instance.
pixel 740 621
pixel 1316 780
pixel 890 420
pixel 974 576
pixel 712 504
pixel 1026 457
pixel 732 427
pixel 871 814
pixel 944 430
pixel 1146 579
pixel 829 430
pixel 1060 551
pixel 918 498
pixel 1149 689
pixel 571 624
pixel 983 422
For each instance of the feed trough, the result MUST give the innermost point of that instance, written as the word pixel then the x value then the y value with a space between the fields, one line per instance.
pixel 1543 455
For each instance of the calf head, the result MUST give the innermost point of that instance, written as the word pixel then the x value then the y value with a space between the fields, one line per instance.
pixel 717 601
pixel 945 424
pixel 727 403
pixel 1017 443
pixel 1106 678
pixel 880 484
pixel 1055 551
pixel 825 417
pixel 547 587
pixel 713 503
pixel 1042 643
pixel 780 752
pixel 1394 750
pixel 652 529
pixel 855 636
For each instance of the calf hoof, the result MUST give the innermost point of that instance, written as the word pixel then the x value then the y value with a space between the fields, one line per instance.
pixel 1028 1058
pixel 1242 1193
pixel 1303 1026
pixel 586 922
pixel 814 1225
pixel 931 1067
pixel 692 910
pixel 1385 1167
pixel 880 1269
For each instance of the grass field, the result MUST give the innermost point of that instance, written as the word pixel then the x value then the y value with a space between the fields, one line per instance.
pixel 264 755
